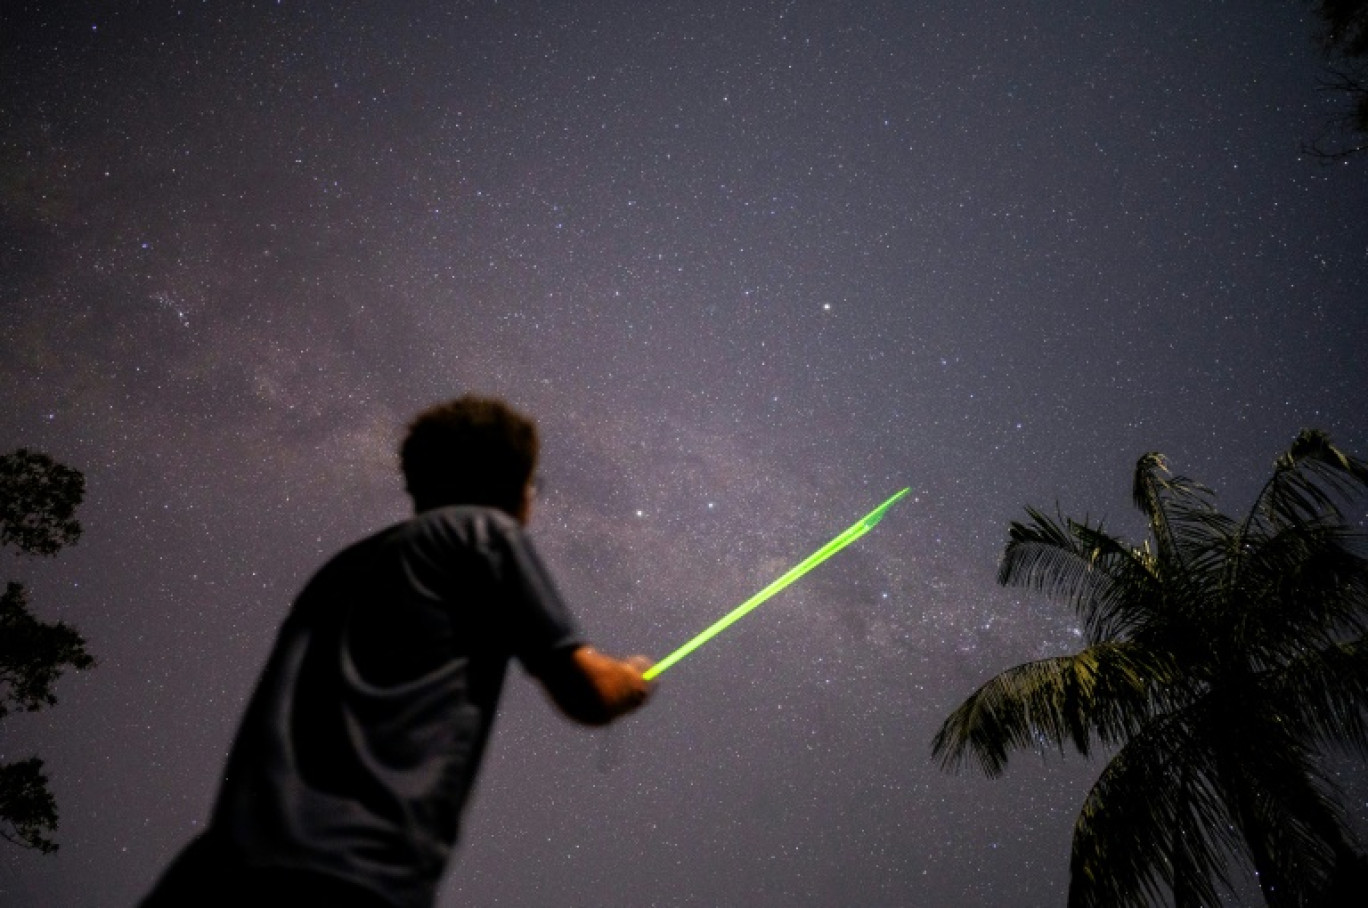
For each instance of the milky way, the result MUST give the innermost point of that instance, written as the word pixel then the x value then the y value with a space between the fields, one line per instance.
pixel 754 267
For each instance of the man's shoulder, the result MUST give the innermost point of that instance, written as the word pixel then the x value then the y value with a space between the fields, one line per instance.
pixel 434 536
pixel 453 537
pixel 445 531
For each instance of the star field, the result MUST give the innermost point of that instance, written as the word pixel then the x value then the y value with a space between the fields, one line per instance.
pixel 753 267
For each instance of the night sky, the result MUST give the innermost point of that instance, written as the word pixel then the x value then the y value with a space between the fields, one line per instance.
pixel 753 267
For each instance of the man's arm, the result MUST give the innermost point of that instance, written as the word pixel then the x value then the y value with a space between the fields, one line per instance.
pixel 595 689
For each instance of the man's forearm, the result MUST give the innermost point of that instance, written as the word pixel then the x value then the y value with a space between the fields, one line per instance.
pixel 595 689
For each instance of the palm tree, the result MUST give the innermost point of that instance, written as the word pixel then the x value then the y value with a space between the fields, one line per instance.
pixel 1222 658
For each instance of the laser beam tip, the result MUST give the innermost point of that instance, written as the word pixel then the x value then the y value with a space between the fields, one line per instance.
pixel 882 509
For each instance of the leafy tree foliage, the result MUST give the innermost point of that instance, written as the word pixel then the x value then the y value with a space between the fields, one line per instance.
pixel 33 654
pixel 1223 657
pixel 1344 38
pixel 26 805
pixel 38 500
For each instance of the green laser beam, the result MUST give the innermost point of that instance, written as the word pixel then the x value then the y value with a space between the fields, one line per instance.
pixel 860 527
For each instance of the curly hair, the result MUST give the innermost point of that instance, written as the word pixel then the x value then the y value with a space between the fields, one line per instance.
pixel 471 450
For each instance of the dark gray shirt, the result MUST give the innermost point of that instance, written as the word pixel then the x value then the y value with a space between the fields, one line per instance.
pixel 363 737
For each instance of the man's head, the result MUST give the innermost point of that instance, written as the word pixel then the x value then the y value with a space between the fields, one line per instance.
pixel 471 450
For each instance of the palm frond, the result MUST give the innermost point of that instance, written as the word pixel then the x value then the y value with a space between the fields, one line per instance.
pixel 1291 828
pixel 1202 534
pixel 1169 503
pixel 1105 581
pixel 1305 587
pixel 1132 595
pixel 1153 821
pixel 1106 692
pixel 1194 589
pixel 1147 491
pixel 1322 697
pixel 1311 480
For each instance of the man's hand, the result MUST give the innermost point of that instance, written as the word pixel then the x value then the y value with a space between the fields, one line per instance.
pixel 595 689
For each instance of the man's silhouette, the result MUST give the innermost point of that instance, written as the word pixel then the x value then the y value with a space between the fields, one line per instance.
pixel 346 781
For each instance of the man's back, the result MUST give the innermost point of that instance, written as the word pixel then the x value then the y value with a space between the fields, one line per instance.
pixel 363 737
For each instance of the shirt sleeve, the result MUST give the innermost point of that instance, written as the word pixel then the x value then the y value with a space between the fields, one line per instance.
pixel 536 622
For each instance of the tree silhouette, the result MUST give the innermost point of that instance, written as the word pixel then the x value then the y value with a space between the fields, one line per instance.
pixel 1344 40
pixel 38 500
pixel 1223 657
